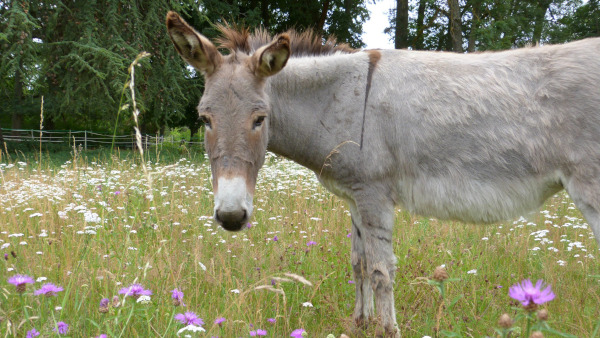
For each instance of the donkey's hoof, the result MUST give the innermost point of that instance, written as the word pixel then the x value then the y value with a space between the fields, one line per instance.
pixel 392 332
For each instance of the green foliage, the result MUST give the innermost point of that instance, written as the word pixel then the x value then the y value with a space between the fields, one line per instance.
pixel 497 25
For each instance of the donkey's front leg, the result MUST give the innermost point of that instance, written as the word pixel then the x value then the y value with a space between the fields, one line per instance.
pixel 363 306
pixel 377 218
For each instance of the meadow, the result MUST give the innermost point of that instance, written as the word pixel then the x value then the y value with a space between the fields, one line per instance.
pixel 95 226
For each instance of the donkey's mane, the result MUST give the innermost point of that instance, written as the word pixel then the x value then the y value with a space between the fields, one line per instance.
pixel 307 43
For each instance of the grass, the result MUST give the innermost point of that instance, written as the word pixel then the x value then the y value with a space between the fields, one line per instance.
pixel 90 225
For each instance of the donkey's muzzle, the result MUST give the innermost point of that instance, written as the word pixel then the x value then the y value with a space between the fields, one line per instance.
pixel 233 203
pixel 232 220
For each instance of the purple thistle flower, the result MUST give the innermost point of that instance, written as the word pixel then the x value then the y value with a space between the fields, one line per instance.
pixel 526 293
pixel 271 320
pixel 135 290
pixel 260 332
pixel 104 305
pixel 311 243
pixel 20 281
pixel 5 256
pixel 189 318
pixel 102 336
pixel 177 297
pixel 219 321
pixel 275 239
pixel 62 327
pixel 117 193
pixel 32 333
pixel 297 333
pixel 48 290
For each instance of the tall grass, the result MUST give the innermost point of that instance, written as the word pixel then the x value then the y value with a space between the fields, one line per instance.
pixel 90 227
pixel 92 223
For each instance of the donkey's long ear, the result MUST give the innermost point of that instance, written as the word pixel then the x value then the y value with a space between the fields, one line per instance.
pixel 270 59
pixel 193 47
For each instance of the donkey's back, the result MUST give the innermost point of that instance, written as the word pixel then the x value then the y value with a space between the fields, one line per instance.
pixel 488 136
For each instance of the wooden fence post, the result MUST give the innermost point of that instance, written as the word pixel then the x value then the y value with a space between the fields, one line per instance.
pixel 85 140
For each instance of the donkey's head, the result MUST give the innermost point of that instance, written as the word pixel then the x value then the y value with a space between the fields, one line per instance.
pixel 235 111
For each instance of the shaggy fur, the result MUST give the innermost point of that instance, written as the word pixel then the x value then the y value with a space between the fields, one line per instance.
pixel 478 137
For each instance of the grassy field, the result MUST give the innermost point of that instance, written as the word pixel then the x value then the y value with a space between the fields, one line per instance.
pixel 95 226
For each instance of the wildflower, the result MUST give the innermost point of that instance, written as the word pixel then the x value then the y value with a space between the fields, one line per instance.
pixel 192 328
pixel 104 305
pixel 505 321
pixel 307 304
pixel 275 239
pixel 311 243
pixel 48 290
pixel 102 336
pixel 271 320
pixel 235 291
pixel 542 315
pixel 143 299
pixel 20 281
pixel 189 318
pixel 117 193
pixel 298 333
pixel 32 333
pixel 219 321
pixel 537 334
pixel 530 296
pixel 135 290
pixel 350 282
pixel 61 328
pixel 116 301
pixel 177 297
pixel 258 332
pixel 440 274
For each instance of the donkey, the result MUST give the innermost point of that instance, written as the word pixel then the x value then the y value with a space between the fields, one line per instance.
pixel 478 138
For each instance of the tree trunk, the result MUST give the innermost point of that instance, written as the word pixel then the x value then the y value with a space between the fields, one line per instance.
pixel 455 26
pixel 420 39
pixel 17 117
pixel 321 23
pixel 474 26
pixel 401 36
pixel 540 18
pixel 264 13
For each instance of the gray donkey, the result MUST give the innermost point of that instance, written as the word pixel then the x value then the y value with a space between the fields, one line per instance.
pixel 479 137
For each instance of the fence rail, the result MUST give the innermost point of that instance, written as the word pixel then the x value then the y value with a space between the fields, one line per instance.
pixel 88 138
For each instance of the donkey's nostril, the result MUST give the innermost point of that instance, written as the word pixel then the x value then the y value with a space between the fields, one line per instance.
pixel 232 220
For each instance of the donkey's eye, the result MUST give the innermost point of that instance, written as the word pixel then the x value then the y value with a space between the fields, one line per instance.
pixel 206 121
pixel 258 122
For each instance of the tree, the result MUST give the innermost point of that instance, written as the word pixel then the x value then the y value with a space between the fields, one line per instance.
pixel 401 34
pixel 20 52
pixel 455 28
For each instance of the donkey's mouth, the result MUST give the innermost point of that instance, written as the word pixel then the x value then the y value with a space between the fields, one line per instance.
pixel 232 221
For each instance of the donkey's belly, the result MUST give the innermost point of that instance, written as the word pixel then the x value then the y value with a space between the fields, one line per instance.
pixel 477 201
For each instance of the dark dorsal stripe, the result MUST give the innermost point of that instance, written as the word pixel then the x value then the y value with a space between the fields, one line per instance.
pixel 374 56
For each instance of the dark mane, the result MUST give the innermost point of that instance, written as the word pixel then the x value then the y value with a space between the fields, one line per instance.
pixel 307 43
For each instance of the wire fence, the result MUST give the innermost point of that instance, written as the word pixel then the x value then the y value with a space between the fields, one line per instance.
pixel 88 139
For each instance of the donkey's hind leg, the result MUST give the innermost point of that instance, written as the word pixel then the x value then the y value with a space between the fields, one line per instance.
pixel 377 222
pixel 584 188
pixel 363 307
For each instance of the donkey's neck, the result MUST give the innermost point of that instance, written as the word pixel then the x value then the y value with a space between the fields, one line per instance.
pixel 317 105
